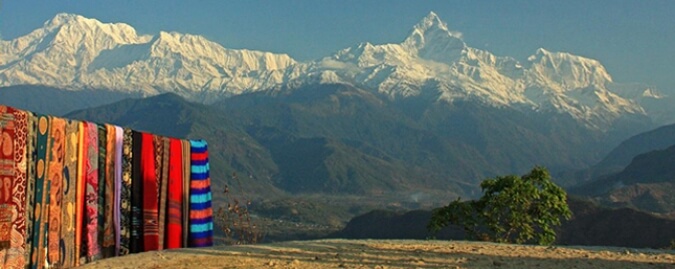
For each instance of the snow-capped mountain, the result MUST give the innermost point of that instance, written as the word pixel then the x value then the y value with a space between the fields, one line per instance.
pixel 74 52
pixel 432 54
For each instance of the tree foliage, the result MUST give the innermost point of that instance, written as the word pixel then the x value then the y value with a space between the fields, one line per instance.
pixel 513 209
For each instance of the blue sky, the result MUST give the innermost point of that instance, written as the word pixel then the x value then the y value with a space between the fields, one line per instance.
pixel 635 40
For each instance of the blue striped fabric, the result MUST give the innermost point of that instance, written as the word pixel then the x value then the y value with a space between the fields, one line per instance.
pixel 201 212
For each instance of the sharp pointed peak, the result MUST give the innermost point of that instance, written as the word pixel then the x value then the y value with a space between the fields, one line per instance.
pixel 432 28
pixel 432 16
pixel 431 21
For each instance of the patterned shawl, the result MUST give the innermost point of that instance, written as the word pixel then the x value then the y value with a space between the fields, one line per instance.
pixel 69 195
pixel 38 255
pixel 31 149
pixel 55 164
pixel 13 183
pixel 108 234
pixel 93 249
pixel 125 192
pixel 201 213
pixel 163 178
pixel 150 201
pixel 100 192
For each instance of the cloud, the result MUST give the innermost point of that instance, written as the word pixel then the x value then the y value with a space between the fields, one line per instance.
pixel 457 34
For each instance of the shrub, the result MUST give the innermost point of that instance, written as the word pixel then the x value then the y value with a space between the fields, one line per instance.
pixel 513 209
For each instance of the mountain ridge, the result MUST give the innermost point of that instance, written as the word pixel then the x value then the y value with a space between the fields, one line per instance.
pixel 74 52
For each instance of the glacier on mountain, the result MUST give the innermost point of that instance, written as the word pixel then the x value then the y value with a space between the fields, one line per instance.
pixel 74 52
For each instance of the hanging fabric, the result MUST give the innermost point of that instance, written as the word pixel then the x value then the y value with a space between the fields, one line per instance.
pixel 31 155
pixel 93 249
pixel 117 185
pixel 55 165
pixel 174 227
pixel 136 241
pixel 72 192
pixel 150 202
pixel 187 171
pixel 100 191
pixel 80 183
pixel 125 192
pixel 201 214
pixel 163 179
pixel 13 183
pixel 38 253
pixel 108 234
pixel 68 209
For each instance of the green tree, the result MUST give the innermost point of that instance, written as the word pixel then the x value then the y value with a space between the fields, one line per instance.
pixel 513 209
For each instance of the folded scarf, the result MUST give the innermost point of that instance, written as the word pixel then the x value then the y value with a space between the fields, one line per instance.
pixel 38 254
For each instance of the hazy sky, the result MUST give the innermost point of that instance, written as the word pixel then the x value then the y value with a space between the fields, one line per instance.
pixel 635 40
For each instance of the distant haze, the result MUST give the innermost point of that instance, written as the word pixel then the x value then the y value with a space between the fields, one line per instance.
pixel 633 39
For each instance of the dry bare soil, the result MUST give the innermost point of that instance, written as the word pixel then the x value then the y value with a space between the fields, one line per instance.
pixel 338 253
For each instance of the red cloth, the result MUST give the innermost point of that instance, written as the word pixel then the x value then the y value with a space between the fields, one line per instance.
pixel 174 227
pixel 150 194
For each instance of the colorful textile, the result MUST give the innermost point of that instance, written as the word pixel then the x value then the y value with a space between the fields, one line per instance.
pixel 201 213
pixel 31 150
pixel 108 238
pixel 55 178
pixel 117 194
pixel 100 204
pixel 13 183
pixel 38 255
pixel 125 193
pixel 80 184
pixel 72 192
pixel 136 240
pixel 174 227
pixel 186 191
pixel 163 186
pixel 69 195
pixel 93 249
pixel 150 201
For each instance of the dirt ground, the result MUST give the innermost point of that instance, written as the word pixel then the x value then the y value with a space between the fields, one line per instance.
pixel 338 253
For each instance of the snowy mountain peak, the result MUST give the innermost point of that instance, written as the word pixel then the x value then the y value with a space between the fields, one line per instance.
pixel 62 19
pixel 567 70
pixel 431 21
pixel 431 39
